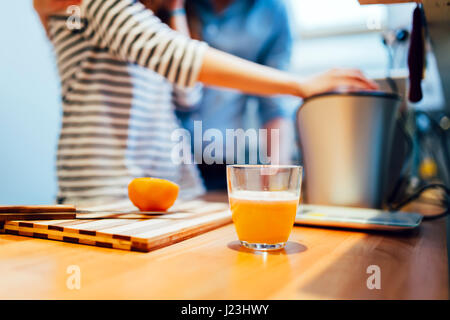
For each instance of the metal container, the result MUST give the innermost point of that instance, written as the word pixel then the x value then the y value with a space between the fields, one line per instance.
pixel 345 140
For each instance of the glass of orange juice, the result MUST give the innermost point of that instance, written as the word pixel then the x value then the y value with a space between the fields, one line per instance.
pixel 263 202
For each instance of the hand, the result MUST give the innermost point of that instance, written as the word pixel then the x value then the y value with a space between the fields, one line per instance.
pixel 336 80
pixel 48 7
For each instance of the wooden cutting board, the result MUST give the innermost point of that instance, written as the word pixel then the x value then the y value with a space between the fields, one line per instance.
pixel 39 212
pixel 129 231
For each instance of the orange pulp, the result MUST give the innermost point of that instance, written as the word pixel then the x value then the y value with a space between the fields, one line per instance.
pixel 267 221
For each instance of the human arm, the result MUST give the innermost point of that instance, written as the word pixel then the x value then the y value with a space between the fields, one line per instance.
pixel 134 34
pixel 225 70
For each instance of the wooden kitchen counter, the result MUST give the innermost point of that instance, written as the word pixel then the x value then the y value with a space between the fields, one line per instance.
pixel 316 264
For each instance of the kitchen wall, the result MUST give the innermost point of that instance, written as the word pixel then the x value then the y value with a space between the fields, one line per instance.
pixel 29 108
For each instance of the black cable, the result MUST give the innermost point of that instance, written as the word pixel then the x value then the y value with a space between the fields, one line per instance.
pixel 430 201
pixel 436 130
pixel 418 193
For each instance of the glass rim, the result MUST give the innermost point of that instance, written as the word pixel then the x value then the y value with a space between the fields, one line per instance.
pixel 259 166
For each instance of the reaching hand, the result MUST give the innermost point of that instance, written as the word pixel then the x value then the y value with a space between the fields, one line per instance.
pixel 337 80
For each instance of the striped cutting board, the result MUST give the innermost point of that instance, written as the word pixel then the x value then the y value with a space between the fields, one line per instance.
pixel 129 230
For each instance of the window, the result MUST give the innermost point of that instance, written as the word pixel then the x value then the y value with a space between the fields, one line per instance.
pixel 314 18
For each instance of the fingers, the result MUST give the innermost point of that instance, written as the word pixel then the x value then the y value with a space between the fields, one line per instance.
pixel 369 84
pixel 338 80
pixel 353 84
pixel 355 78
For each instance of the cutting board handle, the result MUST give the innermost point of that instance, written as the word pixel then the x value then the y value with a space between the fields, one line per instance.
pixel 37 209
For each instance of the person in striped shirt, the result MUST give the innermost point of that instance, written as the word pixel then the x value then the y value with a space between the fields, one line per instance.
pixel 120 75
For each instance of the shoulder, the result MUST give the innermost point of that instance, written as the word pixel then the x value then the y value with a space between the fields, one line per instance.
pixel 272 7
pixel 272 12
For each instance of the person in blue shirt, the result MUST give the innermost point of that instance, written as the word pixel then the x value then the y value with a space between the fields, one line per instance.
pixel 256 30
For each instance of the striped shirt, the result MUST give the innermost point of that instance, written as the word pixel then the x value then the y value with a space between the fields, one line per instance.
pixel 121 75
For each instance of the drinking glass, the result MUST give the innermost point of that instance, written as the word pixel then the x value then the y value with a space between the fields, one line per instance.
pixel 263 202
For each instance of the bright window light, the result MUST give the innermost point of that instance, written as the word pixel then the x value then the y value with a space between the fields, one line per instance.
pixel 330 17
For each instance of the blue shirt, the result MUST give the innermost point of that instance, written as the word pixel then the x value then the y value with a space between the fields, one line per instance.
pixel 256 30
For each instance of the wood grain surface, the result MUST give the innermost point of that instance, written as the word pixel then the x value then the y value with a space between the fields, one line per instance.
pixel 316 264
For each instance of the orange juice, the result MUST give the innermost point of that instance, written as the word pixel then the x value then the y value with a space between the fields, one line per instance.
pixel 263 216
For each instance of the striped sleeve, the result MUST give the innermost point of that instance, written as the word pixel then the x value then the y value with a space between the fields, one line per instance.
pixel 134 34
pixel 187 98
